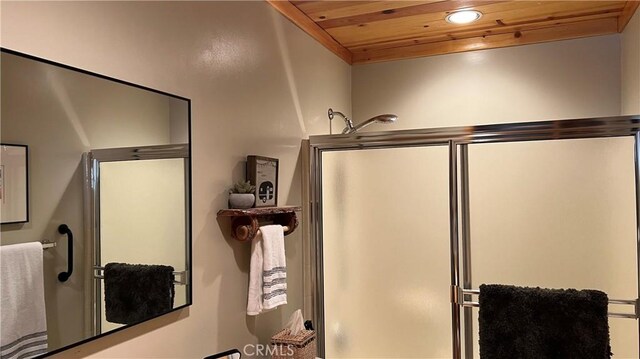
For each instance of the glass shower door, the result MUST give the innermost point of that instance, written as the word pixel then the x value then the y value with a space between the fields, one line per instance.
pixel 140 201
pixel 557 214
pixel 386 253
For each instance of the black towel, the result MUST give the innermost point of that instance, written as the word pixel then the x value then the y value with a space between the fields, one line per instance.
pixel 535 323
pixel 135 292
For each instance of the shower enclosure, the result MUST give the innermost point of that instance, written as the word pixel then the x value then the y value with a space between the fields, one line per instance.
pixel 137 197
pixel 407 224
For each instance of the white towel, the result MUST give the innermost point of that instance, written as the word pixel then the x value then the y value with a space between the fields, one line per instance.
pixel 274 275
pixel 23 322
pixel 268 271
pixel 254 302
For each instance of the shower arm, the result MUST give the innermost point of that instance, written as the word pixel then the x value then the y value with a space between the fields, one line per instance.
pixel 359 126
pixel 350 128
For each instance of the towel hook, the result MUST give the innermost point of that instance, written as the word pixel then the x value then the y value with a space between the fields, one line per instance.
pixel 64 229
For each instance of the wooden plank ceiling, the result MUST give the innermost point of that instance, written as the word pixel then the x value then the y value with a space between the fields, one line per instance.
pixel 374 31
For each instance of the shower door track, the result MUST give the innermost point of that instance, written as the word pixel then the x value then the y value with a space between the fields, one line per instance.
pixel 454 137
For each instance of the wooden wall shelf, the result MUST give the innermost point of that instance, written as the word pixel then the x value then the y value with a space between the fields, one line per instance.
pixel 245 223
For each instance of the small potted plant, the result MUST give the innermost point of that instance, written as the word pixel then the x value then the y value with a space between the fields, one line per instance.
pixel 242 195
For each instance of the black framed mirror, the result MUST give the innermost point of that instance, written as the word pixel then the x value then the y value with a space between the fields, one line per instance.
pixel 111 161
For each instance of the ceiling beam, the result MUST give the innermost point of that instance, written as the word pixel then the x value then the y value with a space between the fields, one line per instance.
pixel 310 27
pixel 630 8
pixel 563 32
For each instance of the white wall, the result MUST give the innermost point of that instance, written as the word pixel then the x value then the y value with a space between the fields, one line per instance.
pixel 258 85
pixel 565 79
pixel 631 67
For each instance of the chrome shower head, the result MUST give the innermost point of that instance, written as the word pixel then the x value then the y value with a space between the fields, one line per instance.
pixel 386 118
pixel 350 128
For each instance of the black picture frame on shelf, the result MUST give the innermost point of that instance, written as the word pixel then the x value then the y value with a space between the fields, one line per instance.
pixel 262 172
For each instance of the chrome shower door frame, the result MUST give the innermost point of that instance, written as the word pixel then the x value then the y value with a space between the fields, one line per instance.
pixel 455 138
pixel 92 212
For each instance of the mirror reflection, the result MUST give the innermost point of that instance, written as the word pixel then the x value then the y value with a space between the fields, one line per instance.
pixel 109 161
pixel 13 183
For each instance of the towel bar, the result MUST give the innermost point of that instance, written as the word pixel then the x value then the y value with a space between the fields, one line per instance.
pixel 98 274
pixel 243 231
pixel 245 223
pixel 46 244
pixel 461 292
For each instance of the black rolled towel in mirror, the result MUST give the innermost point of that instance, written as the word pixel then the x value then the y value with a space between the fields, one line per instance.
pixel 135 292
pixel 535 323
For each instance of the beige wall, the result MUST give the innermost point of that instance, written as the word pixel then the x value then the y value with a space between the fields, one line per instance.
pixel 258 85
pixel 631 67
pixel 565 79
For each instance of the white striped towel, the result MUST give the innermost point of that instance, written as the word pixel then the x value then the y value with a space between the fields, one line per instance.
pixel 268 271
pixel 23 324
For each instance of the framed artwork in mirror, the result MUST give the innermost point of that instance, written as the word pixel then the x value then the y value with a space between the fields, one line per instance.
pixel 262 172
pixel 14 183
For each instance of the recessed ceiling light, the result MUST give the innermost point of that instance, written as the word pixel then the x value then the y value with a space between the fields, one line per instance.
pixel 464 16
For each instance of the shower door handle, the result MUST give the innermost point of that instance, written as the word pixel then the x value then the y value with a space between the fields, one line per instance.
pixel 64 229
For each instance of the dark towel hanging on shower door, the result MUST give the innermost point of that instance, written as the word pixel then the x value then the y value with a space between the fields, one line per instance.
pixel 135 292
pixel 517 322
